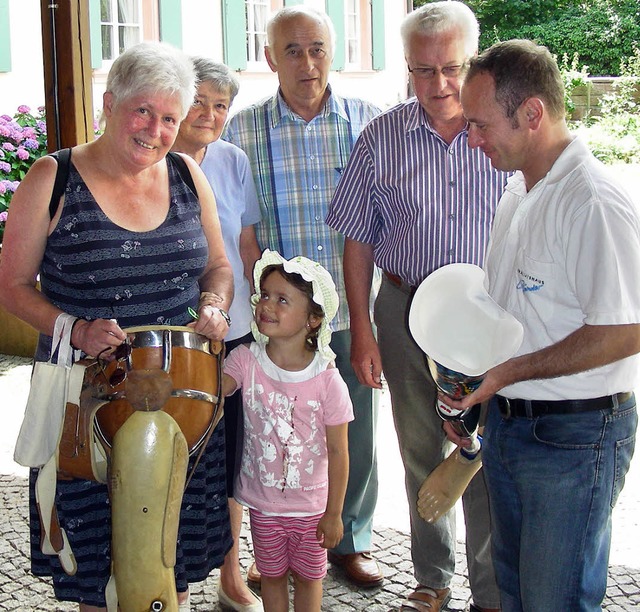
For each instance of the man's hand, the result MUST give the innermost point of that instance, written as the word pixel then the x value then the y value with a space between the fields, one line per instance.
pixel 358 272
pixel 366 361
pixel 454 437
pixel 492 382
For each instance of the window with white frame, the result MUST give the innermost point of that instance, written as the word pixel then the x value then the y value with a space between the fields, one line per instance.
pixel 352 33
pixel 257 12
pixel 354 23
pixel 121 26
pixel 359 24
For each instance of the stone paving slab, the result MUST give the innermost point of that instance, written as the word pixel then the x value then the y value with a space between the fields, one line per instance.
pixel 21 591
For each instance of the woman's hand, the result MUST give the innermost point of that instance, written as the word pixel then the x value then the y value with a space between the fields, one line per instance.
pixel 211 323
pixel 94 337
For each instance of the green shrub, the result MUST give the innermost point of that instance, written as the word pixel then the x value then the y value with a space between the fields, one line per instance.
pixel 613 139
pixel 572 77
pixel 599 31
pixel 615 135
pixel 622 99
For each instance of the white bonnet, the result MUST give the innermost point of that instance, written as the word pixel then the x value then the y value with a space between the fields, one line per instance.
pixel 324 293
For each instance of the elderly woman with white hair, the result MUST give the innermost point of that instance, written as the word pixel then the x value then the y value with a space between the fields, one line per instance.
pixel 229 173
pixel 128 244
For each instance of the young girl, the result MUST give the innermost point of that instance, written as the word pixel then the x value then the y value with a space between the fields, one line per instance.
pixel 294 470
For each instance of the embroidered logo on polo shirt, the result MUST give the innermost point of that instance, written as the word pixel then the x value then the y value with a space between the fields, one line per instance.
pixel 527 282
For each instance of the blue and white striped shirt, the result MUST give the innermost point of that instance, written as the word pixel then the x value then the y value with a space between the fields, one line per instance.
pixel 296 166
pixel 421 202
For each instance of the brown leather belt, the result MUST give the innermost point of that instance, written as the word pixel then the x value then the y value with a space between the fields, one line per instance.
pixel 395 280
pixel 534 408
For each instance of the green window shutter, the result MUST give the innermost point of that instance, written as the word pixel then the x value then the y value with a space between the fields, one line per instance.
pixel 293 2
pixel 171 22
pixel 95 33
pixel 335 10
pixel 377 34
pixel 234 26
pixel 5 37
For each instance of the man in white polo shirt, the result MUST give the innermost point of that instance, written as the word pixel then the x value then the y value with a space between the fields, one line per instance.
pixel 563 258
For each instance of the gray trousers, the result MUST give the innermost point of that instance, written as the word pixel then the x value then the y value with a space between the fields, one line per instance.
pixel 423 446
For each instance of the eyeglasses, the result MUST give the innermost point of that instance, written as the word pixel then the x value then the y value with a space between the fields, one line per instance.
pixel 121 355
pixel 427 73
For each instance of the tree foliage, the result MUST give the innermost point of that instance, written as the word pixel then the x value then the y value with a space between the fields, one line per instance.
pixel 496 14
pixel 601 32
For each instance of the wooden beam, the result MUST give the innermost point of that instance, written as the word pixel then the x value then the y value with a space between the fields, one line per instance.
pixel 67 72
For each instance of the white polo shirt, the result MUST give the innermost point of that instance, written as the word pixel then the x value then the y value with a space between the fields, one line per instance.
pixel 563 255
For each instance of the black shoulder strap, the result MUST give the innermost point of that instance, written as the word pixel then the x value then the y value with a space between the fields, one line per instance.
pixel 63 157
pixel 184 171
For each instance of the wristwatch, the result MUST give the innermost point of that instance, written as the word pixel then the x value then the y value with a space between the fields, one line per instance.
pixel 225 316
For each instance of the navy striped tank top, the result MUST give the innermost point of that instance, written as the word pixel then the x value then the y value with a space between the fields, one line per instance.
pixel 93 268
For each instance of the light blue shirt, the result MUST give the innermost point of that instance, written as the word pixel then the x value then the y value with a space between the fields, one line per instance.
pixel 227 169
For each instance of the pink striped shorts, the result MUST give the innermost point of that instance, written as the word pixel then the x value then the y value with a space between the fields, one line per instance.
pixel 282 543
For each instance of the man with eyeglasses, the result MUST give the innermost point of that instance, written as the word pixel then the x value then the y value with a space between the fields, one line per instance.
pixel 415 197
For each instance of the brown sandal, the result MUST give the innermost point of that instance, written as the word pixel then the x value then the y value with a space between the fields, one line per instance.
pixel 426 599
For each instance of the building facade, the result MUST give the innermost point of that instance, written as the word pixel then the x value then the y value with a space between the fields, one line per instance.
pixel 369 61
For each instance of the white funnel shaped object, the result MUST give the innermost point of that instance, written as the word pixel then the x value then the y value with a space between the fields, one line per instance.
pixel 458 325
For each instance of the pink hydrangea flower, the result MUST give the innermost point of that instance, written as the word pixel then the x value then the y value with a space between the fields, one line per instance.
pixel 24 109
pixel 22 153
pixel 3 216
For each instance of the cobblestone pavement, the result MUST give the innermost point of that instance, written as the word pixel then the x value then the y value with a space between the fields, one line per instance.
pixel 19 590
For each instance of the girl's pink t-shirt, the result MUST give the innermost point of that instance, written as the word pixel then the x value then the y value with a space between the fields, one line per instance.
pixel 284 469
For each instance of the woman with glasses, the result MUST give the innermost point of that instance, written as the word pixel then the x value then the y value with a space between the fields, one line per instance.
pixel 227 169
pixel 128 244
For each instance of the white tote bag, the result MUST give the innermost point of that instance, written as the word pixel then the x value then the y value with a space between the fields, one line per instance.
pixel 44 414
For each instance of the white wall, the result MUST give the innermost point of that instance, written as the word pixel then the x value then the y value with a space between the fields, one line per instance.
pixel 25 83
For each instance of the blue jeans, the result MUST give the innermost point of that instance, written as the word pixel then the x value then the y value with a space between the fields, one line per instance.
pixel 553 482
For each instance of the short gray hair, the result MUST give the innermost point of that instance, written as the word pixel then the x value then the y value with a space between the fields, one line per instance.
pixel 440 17
pixel 156 67
pixel 219 75
pixel 289 12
